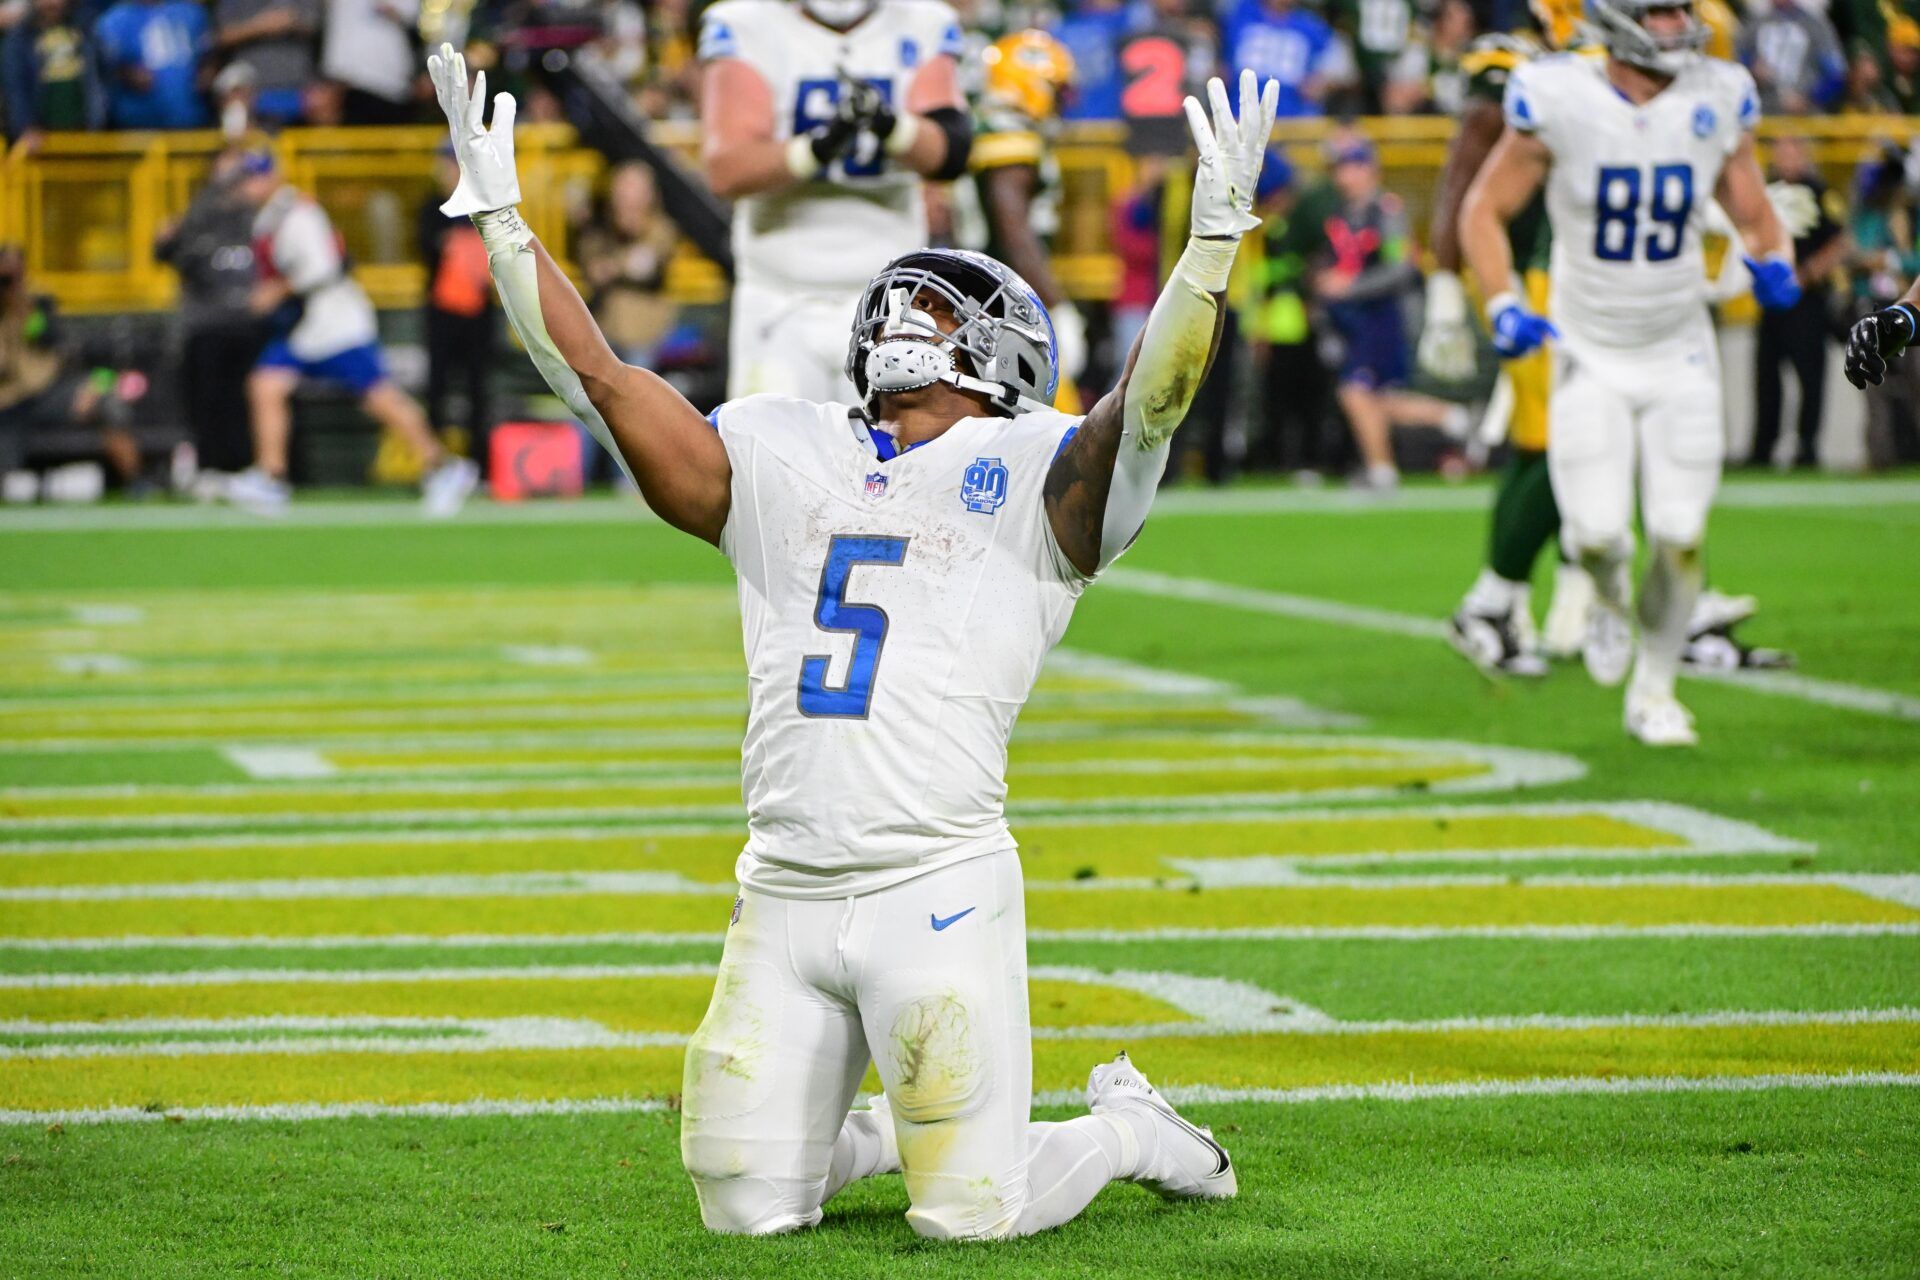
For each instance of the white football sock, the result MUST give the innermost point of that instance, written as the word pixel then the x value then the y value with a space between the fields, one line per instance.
pixel 1491 595
pixel 865 1147
pixel 1069 1162
pixel 1611 572
pixel 1667 594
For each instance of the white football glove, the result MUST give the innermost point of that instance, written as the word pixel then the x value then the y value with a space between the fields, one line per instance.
pixel 1070 339
pixel 1446 336
pixel 488 180
pixel 1231 153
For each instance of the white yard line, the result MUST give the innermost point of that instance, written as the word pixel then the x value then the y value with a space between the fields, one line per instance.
pixel 1785 684
pixel 279 763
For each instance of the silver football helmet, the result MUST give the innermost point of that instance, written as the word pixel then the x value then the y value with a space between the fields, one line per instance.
pixel 1622 27
pixel 1003 345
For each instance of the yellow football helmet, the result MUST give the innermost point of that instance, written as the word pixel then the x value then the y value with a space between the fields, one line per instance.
pixel 1558 20
pixel 1027 70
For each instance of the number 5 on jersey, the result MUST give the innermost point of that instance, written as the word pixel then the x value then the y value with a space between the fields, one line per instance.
pixel 867 623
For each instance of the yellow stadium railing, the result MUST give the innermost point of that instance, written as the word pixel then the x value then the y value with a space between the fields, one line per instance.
pixel 87 207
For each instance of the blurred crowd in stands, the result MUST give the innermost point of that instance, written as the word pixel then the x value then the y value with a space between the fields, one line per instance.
pixel 182 64
pixel 1315 380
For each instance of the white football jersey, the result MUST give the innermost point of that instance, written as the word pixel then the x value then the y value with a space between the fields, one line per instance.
pixel 294 241
pixel 1628 190
pixel 896 616
pixel 834 234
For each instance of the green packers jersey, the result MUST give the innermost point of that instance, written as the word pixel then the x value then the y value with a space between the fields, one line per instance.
pixel 1002 137
pixel 1487 64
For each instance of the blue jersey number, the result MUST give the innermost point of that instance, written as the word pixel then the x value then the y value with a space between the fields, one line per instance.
pixel 852 699
pixel 814 104
pixel 1617 206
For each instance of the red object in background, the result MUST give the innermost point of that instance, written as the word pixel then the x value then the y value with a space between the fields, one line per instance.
pixel 535 460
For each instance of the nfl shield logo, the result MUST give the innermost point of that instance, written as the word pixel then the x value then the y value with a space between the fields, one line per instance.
pixel 876 484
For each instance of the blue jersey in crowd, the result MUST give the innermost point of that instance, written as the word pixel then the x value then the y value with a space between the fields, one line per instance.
pixel 165 40
pixel 1093 38
pixel 1285 46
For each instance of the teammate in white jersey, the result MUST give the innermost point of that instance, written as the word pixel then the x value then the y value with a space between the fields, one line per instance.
pixel 905 563
pixel 821 119
pixel 1630 151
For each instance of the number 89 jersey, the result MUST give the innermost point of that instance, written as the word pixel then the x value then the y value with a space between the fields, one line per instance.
pixel 831 234
pixel 1628 190
pixel 896 609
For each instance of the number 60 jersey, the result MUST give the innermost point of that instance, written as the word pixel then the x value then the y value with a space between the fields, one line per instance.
pixel 1628 188
pixel 896 611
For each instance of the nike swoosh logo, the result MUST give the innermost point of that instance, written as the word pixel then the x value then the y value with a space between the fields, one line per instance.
pixel 939 924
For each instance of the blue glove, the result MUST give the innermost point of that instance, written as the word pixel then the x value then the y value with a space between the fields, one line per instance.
pixel 1775 286
pixel 1517 331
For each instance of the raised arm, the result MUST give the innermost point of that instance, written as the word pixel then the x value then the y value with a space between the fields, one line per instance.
pixel 1101 486
pixel 661 441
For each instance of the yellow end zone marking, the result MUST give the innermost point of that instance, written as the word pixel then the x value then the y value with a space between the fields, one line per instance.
pixel 636 1002
pixel 1210 846
pixel 1264 1060
pixel 1775 901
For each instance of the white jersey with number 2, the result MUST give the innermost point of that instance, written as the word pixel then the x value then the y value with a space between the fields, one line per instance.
pixel 833 234
pixel 896 615
pixel 1628 189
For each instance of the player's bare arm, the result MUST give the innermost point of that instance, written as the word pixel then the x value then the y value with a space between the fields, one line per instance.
pixel 1480 127
pixel 661 440
pixel 1507 183
pixel 1010 189
pixel 1099 489
pixel 1742 192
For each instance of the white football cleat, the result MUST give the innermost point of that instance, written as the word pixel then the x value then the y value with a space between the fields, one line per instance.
pixel 1495 643
pixel 1565 632
pixel 1659 720
pixel 1189 1165
pixel 256 491
pixel 889 1141
pixel 446 488
pixel 1608 647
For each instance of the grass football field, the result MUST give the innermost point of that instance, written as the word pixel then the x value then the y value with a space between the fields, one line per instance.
pixel 361 880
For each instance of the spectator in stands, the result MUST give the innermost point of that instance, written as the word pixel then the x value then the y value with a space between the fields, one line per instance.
pixel 1290 380
pixel 45 387
pixel 1901 87
pixel 1453 31
pixel 1389 56
pixel 274 38
pixel 1795 59
pixel 368 50
pixel 211 247
pixel 461 316
pixel 1284 42
pixel 1365 276
pixel 149 53
pixel 47 64
pixel 624 252
pixel 1800 334
pixel 1092 31
pixel 1135 230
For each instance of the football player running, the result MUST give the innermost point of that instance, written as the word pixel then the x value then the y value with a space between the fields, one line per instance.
pixel 1493 627
pixel 1629 151
pixel 820 119
pixel 905 562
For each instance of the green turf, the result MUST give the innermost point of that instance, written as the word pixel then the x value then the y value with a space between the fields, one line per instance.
pixel 317 625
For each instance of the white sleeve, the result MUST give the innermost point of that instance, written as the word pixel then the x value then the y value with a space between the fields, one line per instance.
pixel 304 250
pixel 1745 101
pixel 1522 103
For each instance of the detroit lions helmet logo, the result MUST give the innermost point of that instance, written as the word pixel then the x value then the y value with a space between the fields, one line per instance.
pixel 1703 120
pixel 984 487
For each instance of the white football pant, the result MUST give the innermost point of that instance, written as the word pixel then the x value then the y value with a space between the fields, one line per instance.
pixel 790 344
pixel 928 979
pixel 1654 414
